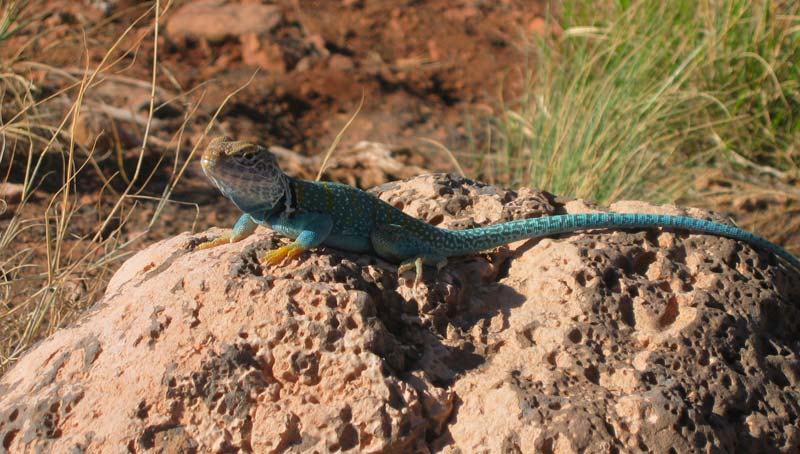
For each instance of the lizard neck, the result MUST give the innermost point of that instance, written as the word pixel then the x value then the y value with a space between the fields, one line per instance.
pixel 263 202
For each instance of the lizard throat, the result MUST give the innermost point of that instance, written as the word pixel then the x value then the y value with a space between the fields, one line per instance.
pixel 257 198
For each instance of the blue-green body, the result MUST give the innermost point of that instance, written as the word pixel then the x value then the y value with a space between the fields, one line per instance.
pixel 344 217
pixel 348 218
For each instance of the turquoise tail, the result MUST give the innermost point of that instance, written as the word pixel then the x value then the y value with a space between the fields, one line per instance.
pixel 464 242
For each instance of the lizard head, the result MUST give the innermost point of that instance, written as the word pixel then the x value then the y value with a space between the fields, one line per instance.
pixel 246 173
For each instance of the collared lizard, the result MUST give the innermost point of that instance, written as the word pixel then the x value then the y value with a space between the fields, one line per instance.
pixel 344 217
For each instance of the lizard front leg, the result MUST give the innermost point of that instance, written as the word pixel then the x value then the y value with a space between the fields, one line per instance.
pixel 308 230
pixel 399 244
pixel 243 228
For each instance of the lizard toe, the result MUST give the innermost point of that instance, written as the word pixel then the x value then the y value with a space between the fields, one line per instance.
pixel 416 264
pixel 276 256
pixel 412 264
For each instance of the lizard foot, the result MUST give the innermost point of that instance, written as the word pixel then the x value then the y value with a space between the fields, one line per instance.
pixel 277 256
pixel 225 239
pixel 416 265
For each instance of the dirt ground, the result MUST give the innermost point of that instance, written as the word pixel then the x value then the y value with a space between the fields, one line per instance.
pixel 426 69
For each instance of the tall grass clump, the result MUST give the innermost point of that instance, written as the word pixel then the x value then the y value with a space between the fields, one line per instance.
pixel 634 99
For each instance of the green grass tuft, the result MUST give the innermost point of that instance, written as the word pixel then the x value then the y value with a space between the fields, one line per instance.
pixel 10 14
pixel 633 99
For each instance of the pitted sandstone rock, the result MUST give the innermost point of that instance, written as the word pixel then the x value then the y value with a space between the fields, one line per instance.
pixel 602 341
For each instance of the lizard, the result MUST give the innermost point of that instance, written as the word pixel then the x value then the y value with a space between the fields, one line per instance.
pixel 344 217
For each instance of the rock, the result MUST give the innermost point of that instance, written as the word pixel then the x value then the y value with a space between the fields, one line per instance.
pixel 590 342
pixel 266 55
pixel 340 62
pixel 217 20
pixel 364 165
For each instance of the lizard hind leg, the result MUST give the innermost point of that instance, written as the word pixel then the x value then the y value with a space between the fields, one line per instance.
pixel 400 244
pixel 416 265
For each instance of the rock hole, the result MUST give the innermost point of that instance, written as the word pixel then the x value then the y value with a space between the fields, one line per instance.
pixel 670 313
pixel 551 359
pixel 13 416
pixel 611 279
pixel 700 439
pixel 779 378
pixel 703 358
pixel 665 286
pixel 142 410
pixel 331 302
pixel 436 220
pixel 548 445
pixel 575 336
pixel 626 311
pixel 642 262
pixel 348 439
pixel 9 438
pixel 685 421
pixel 592 374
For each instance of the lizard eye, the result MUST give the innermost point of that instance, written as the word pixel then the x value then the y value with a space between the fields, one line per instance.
pixel 249 155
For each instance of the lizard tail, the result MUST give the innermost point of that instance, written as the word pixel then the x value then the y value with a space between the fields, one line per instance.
pixel 464 242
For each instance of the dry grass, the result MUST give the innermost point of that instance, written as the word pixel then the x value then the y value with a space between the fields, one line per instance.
pixel 91 196
pixel 52 266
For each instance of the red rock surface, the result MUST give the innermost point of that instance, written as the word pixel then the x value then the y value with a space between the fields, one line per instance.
pixel 607 341
pixel 216 20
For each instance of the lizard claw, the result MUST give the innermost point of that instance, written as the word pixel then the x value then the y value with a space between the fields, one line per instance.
pixel 277 256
